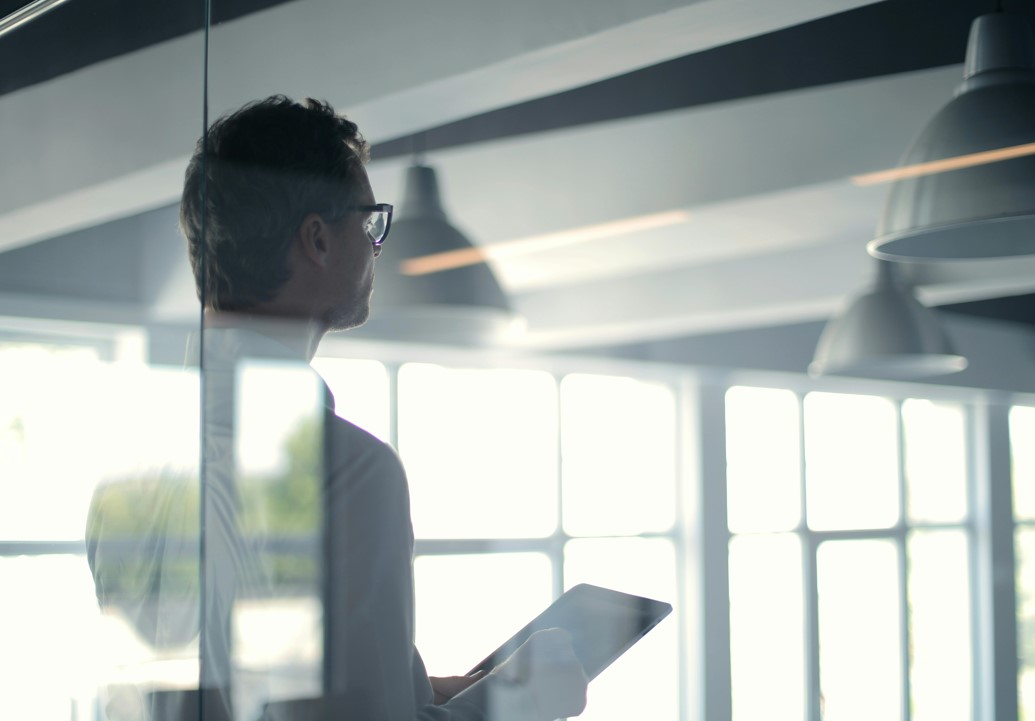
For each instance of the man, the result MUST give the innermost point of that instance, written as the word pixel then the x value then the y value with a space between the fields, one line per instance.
pixel 283 230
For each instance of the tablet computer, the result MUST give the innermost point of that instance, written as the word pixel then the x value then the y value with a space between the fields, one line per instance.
pixel 603 625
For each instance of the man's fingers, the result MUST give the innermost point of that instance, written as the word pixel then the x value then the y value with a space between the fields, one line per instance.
pixel 446 687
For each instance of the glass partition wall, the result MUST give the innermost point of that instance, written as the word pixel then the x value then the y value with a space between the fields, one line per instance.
pixel 99 481
pixel 233 503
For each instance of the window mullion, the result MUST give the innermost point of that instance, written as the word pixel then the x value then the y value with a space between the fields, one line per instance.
pixel 685 538
pixel 560 538
pixel 810 546
pixel 710 426
pixel 903 564
pixel 392 369
pixel 995 570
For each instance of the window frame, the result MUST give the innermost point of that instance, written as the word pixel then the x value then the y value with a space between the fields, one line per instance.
pixel 989 527
pixel 701 541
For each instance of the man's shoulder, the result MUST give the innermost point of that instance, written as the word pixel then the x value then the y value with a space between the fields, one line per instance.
pixel 356 443
pixel 347 429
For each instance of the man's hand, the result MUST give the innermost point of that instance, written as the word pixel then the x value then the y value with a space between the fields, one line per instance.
pixel 547 666
pixel 446 687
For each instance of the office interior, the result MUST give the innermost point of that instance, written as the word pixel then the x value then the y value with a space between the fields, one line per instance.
pixel 675 200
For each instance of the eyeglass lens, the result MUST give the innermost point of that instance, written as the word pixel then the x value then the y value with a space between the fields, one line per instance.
pixel 375 226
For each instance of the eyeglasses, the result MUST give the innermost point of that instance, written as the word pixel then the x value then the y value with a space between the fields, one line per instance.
pixel 376 224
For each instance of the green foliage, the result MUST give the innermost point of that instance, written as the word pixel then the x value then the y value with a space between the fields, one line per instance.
pixel 142 533
pixel 288 503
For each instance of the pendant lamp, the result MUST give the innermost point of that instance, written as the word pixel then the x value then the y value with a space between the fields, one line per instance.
pixel 458 306
pixel 886 333
pixel 955 197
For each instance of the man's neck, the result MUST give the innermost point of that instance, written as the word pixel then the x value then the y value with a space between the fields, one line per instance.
pixel 302 336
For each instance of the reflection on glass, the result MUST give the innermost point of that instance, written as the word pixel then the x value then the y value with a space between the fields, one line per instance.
pixel 767 647
pixel 360 389
pixel 1026 620
pixel 277 615
pixel 1022 431
pixel 83 448
pixel 860 662
pixel 263 439
pixel 277 647
pixel 142 535
pixel 851 461
pixel 467 605
pixel 49 626
pixel 940 672
pixel 935 461
pixel 763 460
pixel 480 448
pixel 618 450
pixel 645 567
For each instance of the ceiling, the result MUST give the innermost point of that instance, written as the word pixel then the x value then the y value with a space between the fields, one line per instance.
pixel 735 127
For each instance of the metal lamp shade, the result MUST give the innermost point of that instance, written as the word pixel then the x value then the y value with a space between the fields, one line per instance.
pixel 463 305
pixel 886 333
pixel 985 210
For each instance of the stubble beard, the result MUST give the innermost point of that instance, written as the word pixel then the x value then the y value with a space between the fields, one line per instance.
pixel 347 318
pixel 352 314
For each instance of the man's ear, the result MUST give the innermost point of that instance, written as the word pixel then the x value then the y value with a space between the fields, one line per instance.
pixel 313 238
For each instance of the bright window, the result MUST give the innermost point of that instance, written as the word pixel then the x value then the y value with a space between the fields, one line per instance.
pixel 851 461
pixel 860 665
pixel 767 627
pixel 469 604
pixel 618 455
pixel 480 449
pixel 873 601
pixel 940 615
pixel 360 389
pixel 850 550
pixel 763 459
pixel 71 423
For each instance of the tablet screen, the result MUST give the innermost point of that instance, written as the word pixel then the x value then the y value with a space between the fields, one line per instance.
pixel 603 625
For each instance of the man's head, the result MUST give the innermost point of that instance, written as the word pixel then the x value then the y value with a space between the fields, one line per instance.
pixel 262 176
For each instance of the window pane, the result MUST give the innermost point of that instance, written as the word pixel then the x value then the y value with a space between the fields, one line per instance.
pixel 44 390
pixel 763 459
pixel 645 567
pixel 618 448
pixel 767 647
pixel 66 398
pixel 860 659
pixel 360 389
pixel 1022 431
pixel 935 461
pixel 480 447
pixel 277 616
pixel 278 650
pixel 1026 619
pixel 851 461
pixel 52 661
pixel 939 617
pixel 468 605
pixel 264 440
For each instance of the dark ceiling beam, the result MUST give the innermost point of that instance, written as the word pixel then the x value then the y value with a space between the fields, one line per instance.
pixel 83 32
pixel 885 38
